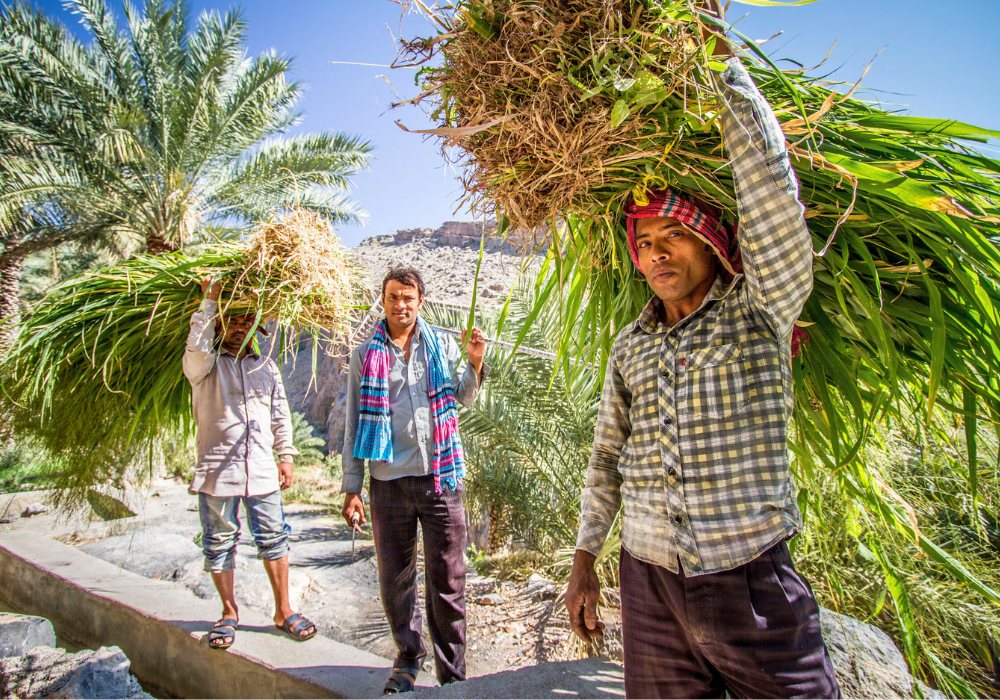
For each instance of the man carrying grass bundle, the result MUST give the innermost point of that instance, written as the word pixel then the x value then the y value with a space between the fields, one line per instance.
pixel 401 417
pixel 242 414
pixel 691 439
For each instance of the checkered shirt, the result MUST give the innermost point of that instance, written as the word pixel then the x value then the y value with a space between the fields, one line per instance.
pixel 693 422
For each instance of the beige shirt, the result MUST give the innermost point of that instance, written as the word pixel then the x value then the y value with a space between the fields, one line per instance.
pixel 241 414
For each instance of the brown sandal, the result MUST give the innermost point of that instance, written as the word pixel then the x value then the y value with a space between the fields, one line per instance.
pixel 294 626
pixel 221 631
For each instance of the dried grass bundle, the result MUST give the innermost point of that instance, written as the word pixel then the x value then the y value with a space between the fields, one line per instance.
pixel 551 100
pixel 95 373
pixel 297 272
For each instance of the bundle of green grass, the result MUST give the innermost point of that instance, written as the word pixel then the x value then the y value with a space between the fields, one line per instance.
pixel 560 111
pixel 95 373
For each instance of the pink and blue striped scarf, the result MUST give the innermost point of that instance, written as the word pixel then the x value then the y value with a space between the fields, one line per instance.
pixel 374 436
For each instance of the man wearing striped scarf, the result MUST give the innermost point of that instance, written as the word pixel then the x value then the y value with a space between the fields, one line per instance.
pixel 402 419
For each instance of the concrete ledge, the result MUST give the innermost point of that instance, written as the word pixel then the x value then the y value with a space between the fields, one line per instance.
pixel 586 678
pixel 161 626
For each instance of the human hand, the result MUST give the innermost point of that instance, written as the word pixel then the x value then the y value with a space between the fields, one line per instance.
pixel 211 288
pixel 354 511
pixel 715 9
pixel 582 594
pixel 284 475
pixel 475 348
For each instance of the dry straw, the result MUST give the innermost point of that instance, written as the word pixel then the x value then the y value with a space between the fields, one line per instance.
pixel 545 98
pixel 299 274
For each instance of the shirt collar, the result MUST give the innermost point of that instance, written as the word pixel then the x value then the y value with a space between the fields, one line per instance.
pixel 249 349
pixel 649 318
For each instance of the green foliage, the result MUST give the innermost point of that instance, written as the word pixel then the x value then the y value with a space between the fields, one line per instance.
pixel 96 374
pixel 528 434
pixel 309 445
pixel 24 466
pixel 859 566
pixel 156 130
pixel 180 453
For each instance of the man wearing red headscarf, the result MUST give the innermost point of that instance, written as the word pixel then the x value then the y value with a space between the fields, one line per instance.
pixel 691 438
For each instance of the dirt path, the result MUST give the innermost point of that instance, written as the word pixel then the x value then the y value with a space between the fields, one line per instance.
pixel 510 625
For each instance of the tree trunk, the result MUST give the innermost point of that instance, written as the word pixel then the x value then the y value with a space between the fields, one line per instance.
pixel 157 245
pixel 10 297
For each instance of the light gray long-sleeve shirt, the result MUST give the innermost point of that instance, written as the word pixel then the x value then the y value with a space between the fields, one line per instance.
pixel 241 414
pixel 410 410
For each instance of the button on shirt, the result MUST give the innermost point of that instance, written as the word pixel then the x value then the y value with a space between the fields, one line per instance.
pixel 241 414
pixel 691 434
pixel 410 410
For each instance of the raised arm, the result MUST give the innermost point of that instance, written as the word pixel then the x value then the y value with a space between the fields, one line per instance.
pixel 466 377
pixel 199 352
pixel 774 240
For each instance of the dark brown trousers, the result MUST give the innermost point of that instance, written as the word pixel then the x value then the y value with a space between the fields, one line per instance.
pixel 397 506
pixel 751 632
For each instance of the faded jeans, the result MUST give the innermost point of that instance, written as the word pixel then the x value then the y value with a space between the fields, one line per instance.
pixel 220 526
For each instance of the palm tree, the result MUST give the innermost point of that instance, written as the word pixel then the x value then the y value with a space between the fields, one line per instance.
pixel 153 130
pixel 528 434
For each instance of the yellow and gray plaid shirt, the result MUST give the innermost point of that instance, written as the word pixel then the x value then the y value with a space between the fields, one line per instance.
pixel 692 429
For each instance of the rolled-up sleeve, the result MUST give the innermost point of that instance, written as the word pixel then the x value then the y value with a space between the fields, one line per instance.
pixel 774 241
pixel 464 378
pixel 602 490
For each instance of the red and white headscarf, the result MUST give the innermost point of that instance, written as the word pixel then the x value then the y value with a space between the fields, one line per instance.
pixel 702 218
pixel 704 221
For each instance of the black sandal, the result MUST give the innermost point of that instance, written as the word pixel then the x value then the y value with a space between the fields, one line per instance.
pixel 402 680
pixel 295 626
pixel 221 631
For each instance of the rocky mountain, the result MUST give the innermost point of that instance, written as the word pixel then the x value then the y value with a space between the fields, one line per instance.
pixel 446 258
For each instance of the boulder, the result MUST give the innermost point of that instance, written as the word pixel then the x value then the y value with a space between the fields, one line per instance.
pixel 34 509
pixel 541 588
pixel 21 633
pixel 147 552
pixel 866 660
pixel 55 673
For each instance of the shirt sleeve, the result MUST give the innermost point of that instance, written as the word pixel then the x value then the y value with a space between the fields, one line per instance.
pixel 774 240
pixel 602 490
pixel 354 468
pixel 463 377
pixel 281 418
pixel 199 352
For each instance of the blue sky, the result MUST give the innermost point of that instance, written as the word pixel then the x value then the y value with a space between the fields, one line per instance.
pixel 937 60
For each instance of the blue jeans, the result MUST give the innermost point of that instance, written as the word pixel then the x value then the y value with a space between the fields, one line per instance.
pixel 220 527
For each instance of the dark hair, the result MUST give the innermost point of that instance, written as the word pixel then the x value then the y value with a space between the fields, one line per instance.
pixel 404 275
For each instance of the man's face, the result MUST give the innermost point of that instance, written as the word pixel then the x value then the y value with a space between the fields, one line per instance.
pixel 402 303
pixel 678 266
pixel 235 329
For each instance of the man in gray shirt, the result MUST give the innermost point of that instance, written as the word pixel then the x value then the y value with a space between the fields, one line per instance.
pixel 242 418
pixel 402 419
